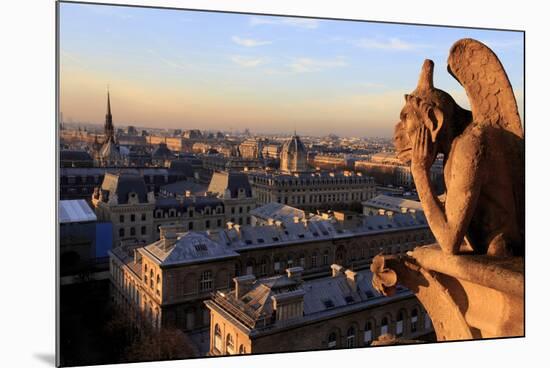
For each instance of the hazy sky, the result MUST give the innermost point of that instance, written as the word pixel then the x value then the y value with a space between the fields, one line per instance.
pixel 188 69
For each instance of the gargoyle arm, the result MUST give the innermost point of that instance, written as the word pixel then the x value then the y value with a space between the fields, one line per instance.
pixel 450 222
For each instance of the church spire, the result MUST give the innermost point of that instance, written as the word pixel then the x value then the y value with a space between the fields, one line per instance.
pixel 109 128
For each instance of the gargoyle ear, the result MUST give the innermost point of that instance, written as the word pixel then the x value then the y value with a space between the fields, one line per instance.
pixel 435 122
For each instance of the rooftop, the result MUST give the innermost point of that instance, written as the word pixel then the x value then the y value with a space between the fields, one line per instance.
pixel 278 211
pixel 393 203
pixel 76 210
pixel 186 248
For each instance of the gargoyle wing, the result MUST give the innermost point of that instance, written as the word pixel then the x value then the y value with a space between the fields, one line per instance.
pixel 479 71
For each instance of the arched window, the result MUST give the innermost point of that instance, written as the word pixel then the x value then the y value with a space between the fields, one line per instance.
pixel 242 349
pixel 384 326
pixel 414 320
pixel 399 325
pixel 229 346
pixel 158 284
pixel 350 339
pixel 217 338
pixel 332 340
pixel 145 274
pixel 151 278
pixel 368 333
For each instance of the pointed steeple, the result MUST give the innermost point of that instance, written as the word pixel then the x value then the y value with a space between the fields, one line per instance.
pixel 109 128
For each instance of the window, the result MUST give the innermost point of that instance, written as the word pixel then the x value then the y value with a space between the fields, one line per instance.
pixel 121 232
pixel 325 258
pixel 368 333
pixel 207 224
pixel 414 320
pixel 229 346
pixel 206 281
pixel 219 222
pixel 143 230
pixel 151 278
pixel 314 261
pixel 332 340
pixel 143 217
pixel 384 327
pixel 263 268
pixel 217 338
pixel 190 225
pixel 158 284
pixel 350 339
pixel 132 217
pixel 121 219
pixel 399 325
pixel 242 349
pixel 302 261
pixel 132 231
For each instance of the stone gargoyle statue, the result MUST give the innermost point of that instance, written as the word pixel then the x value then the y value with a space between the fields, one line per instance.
pixel 483 210
pixel 471 282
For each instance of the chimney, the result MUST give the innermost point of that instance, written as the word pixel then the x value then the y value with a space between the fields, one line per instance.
pixel 170 239
pixel 289 305
pixel 295 273
pixel 230 225
pixel 337 270
pixel 243 284
pixel 352 279
pixel 296 219
pixel 389 214
pixel 413 213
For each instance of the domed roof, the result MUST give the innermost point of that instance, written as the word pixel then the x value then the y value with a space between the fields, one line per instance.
pixel 294 145
pixel 294 156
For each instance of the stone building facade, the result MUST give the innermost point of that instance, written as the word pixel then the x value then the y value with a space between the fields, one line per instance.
pixel 312 190
pixel 264 251
pixel 123 200
pixel 286 313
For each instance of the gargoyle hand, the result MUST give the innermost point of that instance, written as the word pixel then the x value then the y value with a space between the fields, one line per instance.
pixel 423 152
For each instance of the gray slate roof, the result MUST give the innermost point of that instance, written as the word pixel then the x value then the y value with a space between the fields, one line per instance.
pixel 76 210
pixel 190 247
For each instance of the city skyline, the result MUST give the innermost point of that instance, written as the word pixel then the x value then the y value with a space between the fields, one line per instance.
pixel 180 69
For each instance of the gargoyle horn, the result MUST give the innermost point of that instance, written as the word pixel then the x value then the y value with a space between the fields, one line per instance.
pixel 426 80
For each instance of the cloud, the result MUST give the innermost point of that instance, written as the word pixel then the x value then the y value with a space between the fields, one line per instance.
pixel 292 22
pixel 393 43
pixel 248 62
pixel 247 42
pixel 306 65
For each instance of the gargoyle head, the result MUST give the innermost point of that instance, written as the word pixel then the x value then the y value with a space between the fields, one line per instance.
pixel 426 106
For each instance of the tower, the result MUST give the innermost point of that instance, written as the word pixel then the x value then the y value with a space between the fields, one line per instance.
pixel 294 156
pixel 109 128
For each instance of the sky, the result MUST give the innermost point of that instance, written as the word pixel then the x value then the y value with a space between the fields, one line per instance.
pixel 181 69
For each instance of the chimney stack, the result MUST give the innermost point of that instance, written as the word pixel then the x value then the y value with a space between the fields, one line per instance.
pixel 170 239
pixel 243 284
pixel 337 270
pixel 295 273
pixel 352 279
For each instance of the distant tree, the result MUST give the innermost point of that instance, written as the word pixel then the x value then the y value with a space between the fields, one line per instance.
pixel 165 344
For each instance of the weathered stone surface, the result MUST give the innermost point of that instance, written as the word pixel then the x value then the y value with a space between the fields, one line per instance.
pixel 472 281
